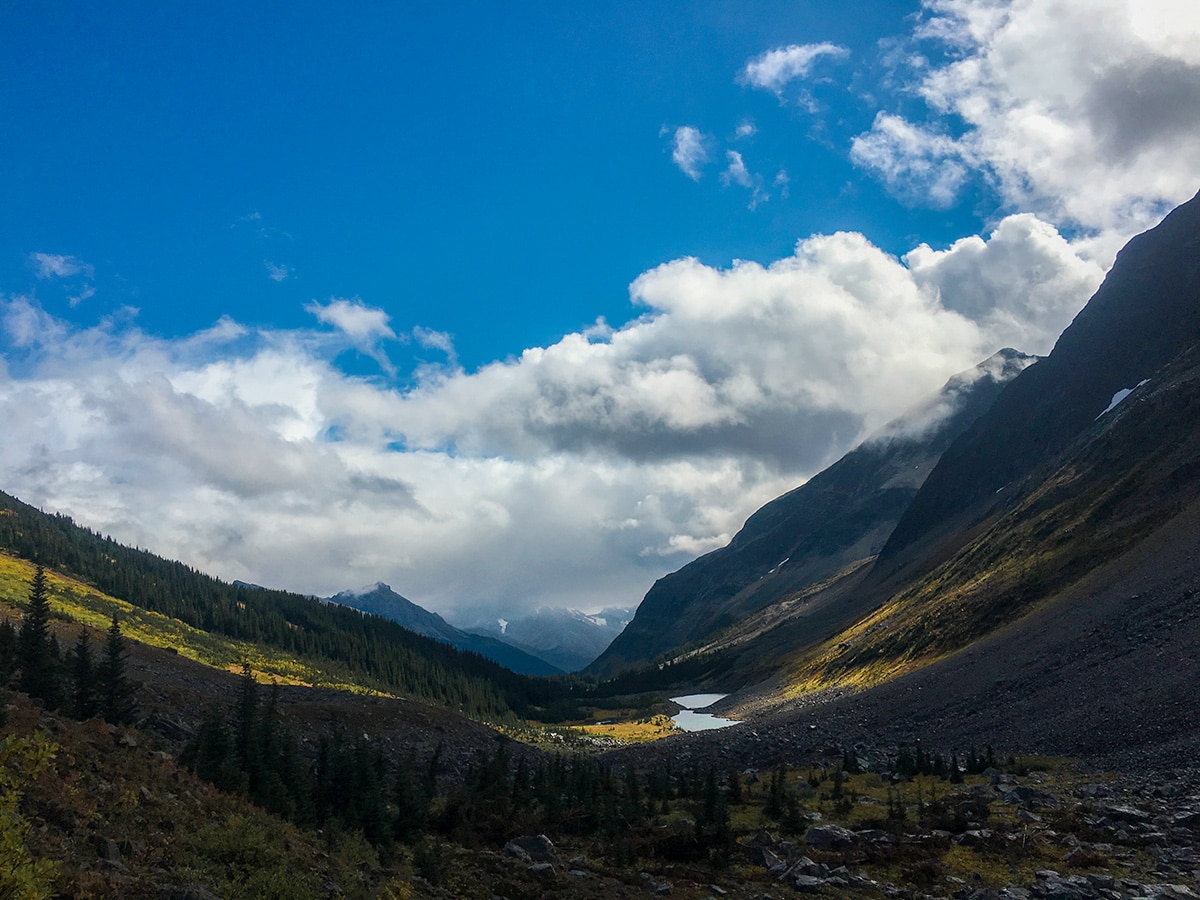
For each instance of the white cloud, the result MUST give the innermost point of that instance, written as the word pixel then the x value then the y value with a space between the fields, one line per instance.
pixel 737 173
pixel 365 326
pixel 1087 114
pixel 55 265
pixel 689 151
pixel 277 272
pixel 573 475
pixel 916 163
pixel 773 69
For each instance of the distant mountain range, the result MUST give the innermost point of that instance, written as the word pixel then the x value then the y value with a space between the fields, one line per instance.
pixel 565 637
pixel 380 600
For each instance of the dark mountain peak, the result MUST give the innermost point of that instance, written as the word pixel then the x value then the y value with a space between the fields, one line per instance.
pixel 379 599
pixel 1144 314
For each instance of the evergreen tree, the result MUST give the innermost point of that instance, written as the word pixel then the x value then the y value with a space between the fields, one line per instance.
pixel 245 727
pixel 210 753
pixel 84 702
pixel 8 651
pixel 39 677
pixel 116 690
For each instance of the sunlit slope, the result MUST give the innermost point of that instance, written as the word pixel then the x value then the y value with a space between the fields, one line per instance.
pixel 336 644
pixel 1133 470
pixel 72 600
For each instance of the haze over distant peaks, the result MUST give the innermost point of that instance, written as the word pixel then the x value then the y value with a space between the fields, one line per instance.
pixel 568 638
pixel 379 599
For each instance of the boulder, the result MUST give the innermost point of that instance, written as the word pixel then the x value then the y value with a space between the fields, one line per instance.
pixel 807 884
pixel 829 837
pixel 534 848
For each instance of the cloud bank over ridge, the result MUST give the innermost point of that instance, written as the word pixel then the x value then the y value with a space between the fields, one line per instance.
pixel 570 474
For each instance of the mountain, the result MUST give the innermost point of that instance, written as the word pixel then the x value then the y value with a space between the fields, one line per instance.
pixel 1040 588
pixel 565 637
pixel 837 519
pixel 1143 315
pixel 1081 460
pixel 380 600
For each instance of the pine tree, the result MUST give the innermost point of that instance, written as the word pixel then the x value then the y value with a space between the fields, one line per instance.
pixel 116 691
pixel 8 651
pixel 84 702
pixel 39 677
pixel 245 729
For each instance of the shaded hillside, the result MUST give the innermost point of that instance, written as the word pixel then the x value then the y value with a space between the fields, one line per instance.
pixel 380 600
pixel 379 653
pixel 840 516
pixel 1145 313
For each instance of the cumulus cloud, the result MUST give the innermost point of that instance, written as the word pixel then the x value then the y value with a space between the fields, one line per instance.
pixel 572 475
pixel 1085 114
pixel 773 69
pixel 689 151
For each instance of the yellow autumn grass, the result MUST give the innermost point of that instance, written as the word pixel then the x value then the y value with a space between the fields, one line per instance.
pixel 77 602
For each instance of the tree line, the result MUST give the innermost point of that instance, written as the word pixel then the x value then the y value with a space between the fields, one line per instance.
pixel 378 652
pixel 350 785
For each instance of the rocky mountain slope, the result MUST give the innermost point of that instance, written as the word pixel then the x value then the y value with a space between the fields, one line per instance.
pixel 380 600
pixel 839 517
pixel 1144 315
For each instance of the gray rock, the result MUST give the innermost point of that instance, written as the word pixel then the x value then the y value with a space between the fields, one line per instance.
pixel 829 837
pixel 535 848
pixel 771 861
pixel 807 884
pixel 1171 891
pixel 107 849
pixel 542 870
pixel 1124 813
pixel 974 837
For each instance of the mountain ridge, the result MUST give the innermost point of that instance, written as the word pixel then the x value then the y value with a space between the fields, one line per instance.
pixel 840 516
pixel 381 600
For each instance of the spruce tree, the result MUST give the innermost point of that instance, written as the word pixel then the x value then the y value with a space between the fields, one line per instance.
pixel 116 690
pixel 246 727
pixel 84 702
pixel 39 677
pixel 8 651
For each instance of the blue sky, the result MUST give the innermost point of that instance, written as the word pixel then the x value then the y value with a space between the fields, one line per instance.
pixel 495 171
pixel 527 304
